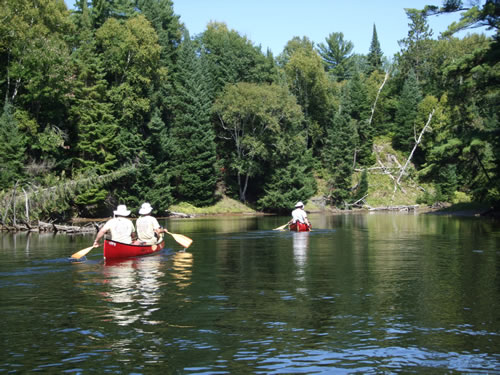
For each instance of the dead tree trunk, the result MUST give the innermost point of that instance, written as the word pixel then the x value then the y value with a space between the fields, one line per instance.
pixel 414 148
pixel 376 98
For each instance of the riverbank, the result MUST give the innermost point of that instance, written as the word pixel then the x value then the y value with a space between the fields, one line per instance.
pixel 227 206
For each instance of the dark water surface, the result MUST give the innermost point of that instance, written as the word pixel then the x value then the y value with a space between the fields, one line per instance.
pixel 370 293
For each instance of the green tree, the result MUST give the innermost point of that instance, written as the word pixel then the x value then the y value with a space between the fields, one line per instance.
pixel 416 47
pixel 358 109
pixel 102 10
pixel 362 189
pixel 34 57
pixel 406 114
pixel 91 113
pixel 336 55
pixel 290 181
pixel 338 154
pixel 308 81
pixel 12 149
pixel 230 58
pixel 375 54
pixel 254 119
pixel 130 54
pixel 193 154
pixel 473 16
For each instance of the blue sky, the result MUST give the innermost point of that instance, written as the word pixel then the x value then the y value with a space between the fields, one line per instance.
pixel 272 23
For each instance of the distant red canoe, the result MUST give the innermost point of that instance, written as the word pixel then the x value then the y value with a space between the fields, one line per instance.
pixel 114 250
pixel 299 227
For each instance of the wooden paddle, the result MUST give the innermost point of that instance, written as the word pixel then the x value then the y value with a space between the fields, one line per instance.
pixel 181 239
pixel 82 252
pixel 282 227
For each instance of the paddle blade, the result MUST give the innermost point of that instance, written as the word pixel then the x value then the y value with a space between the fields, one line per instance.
pixel 182 240
pixel 82 252
pixel 282 227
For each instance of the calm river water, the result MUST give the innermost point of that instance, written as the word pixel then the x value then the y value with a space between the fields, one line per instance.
pixel 362 293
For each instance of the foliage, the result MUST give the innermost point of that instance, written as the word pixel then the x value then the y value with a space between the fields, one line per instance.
pixel 225 205
pixel 406 114
pixel 308 82
pixel 375 55
pixel 193 152
pixel 116 83
pixel 255 120
pixel 12 149
pixel 337 56
pixel 339 151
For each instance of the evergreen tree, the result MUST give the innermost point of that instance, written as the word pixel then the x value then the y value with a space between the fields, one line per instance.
pixel 448 181
pixel 12 149
pixel 362 189
pixel 358 108
pixel 337 56
pixel 291 182
pixel 160 14
pixel 415 47
pixel 102 10
pixel 92 115
pixel 338 154
pixel 375 54
pixel 193 155
pixel 406 114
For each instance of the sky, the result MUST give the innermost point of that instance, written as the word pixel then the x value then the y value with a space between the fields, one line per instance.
pixel 272 23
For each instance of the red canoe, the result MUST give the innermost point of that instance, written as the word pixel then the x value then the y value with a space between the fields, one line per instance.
pixel 299 227
pixel 114 250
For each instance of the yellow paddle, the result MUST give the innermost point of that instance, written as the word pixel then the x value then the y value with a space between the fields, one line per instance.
pixel 82 252
pixel 282 227
pixel 181 239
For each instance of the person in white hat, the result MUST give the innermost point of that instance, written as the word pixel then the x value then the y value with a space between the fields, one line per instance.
pixel 299 216
pixel 120 226
pixel 148 228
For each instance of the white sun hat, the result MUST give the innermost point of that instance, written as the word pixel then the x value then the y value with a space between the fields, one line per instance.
pixel 299 204
pixel 145 209
pixel 121 210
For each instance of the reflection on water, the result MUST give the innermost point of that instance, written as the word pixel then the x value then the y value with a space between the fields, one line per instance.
pixel 360 294
pixel 182 268
pixel 133 289
pixel 300 245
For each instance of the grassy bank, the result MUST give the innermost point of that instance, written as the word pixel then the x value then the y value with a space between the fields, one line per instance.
pixel 225 206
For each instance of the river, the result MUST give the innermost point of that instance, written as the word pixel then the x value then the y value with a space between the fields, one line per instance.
pixel 362 293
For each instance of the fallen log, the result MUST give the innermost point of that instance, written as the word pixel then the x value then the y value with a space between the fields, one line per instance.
pixel 395 208
pixel 177 214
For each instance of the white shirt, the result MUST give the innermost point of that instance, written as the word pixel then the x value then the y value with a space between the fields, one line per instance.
pixel 146 226
pixel 299 215
pixel 121 229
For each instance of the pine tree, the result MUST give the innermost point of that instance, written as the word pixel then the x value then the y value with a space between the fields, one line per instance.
pixel 91 113
pixel 12 148
pixel 289 183
pixel 375 54
pixel 337 56
pixel 193 155
pixel 362 189
pixel 338 154
pixel 358 109
pixel 406 114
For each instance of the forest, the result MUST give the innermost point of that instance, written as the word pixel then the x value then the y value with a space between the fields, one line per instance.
pixel 114 102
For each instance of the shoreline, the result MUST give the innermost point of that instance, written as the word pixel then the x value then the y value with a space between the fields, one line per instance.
pixel 88 225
